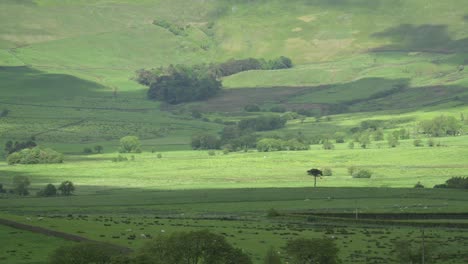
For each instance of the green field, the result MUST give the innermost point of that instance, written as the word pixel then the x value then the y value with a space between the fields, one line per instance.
pixel 67 73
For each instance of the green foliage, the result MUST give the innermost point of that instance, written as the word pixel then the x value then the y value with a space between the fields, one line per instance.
pixel 159 156
pixel 84 253
pixel 311 251
pixel 262 123
pixel 205 141
pixel 441 126
pixel 211 153
pixel 419 185
pixel 406 252
pixel 173 28
pixel 119 158
pixel 2 190
pixel 98 148
pixel 274 144
pixel 66 188
pixel 49 190
pixel 191 247
pixel 378 134
pixel 272 212
pixel 417 143
pixel 35 155
pixel 252 108
pixel 278 109
pixel 272 257
pixel 20 185
pixel 11 147
pixel 364 139
pixel 179 84
pixel 130 144
pixel 87 150
pixel 328 145
pixel 327 172
pixel 362 174
pixel 392 140
pixel 455 183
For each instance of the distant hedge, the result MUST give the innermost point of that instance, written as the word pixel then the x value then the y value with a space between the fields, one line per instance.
pixel 35 155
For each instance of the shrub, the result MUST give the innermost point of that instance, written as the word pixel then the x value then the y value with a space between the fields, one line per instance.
pixel 430 142
pixel 278 109
pixel 159 156
pixel 351 145
pixel 327 172
pixel 362 174
pixel 98 148
pixel 84 253
pixel 418 185
pixel 205 141
pixel 351 170
pixel 11 147
pixel 35 156
pixel 272 257
pixel 273 213
pixel 20 185
pixel 1 189
pixel 130 144
pixel 262 123
pixel 226 151
pixel 328 145
pixel 119 158
pixel 66 188
pixel 252 108
pixel 211 153
pixel 49 190
pixel 417 143
pixel 87 150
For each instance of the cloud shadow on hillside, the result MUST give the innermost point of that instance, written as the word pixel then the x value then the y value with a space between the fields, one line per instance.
pixel 422 38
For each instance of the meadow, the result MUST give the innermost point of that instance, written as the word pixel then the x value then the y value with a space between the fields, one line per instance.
pixel 67 73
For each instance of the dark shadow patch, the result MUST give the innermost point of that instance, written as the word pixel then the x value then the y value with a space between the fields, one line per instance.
pixel 424 38
pixel 465 17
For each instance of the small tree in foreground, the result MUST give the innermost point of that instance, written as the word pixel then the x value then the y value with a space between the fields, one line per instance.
pixel 66 188
pixel 312 251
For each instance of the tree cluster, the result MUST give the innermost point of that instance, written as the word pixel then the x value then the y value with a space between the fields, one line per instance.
pixel 441 126
pixel 35 155
pixel 274 144
pixel 130 144
pixel 455 183
pixel 233 66
pixel 262 123
pixel 11 147
pixel 66 188
pixel 180 83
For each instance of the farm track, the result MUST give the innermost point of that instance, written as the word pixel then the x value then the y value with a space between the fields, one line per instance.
pixel 53 233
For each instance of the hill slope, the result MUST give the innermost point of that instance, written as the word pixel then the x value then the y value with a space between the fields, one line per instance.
pixel 80 56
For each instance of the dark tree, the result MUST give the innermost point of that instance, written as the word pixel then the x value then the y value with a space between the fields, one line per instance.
pixel 98 148
pixel 20 185
pixel 191 247
pixel 49 190
pixel 312 251
pixel 66 188
pixel 316 173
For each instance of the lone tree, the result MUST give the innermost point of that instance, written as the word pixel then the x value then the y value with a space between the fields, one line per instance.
pixel 316 173
pixel 66 188
pixel 130 144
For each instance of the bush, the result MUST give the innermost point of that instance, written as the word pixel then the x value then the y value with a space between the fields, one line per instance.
pixel 273 213
pixel 11 147
pixel 35 156
pixel 362 174
pixel 66 188
pixel 327 172
pixel 262 123
pixel 211 153
pixel 328 145
pixel 84 253
pixel 49 190
pixel 119 158
pixel 430 142
pixel 441 126
pixel 278 109
pixel 130 144
pixel 98 148
pixel 417 143
pixel 252 108
pixel 159 156
pixel 87 150
pixel 20 185
pixel 205 141
pixel 351 170
pixel 1 189
pixel 418 185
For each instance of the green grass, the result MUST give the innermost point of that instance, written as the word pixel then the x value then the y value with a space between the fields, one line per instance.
pixel 23 247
